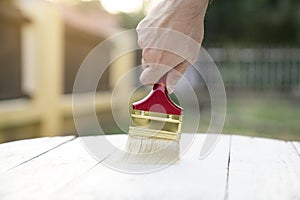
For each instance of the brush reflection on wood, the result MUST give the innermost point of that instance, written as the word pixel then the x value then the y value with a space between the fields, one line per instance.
pixel 238 168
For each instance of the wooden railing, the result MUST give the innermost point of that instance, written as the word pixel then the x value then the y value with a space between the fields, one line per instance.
pixel 43 65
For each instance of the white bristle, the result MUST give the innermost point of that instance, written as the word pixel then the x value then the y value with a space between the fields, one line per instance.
pixel 148 150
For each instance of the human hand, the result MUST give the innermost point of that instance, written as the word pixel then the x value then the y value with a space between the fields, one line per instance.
pixel 171 36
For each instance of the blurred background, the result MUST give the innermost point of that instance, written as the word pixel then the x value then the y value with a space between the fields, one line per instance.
pixel 255 44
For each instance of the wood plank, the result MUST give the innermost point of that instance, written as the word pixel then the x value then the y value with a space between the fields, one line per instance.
pixel 16 153
pixel 43 175
pixel 190 179
pixel 263 169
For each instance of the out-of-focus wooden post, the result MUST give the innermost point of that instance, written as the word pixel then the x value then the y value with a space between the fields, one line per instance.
pixel 48 62
pixel 51 58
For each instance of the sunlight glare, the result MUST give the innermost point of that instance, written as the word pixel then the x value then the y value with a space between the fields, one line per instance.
pixel 127 6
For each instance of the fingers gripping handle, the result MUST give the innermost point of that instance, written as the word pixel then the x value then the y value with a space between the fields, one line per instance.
pixel 161 84
pixel 158 100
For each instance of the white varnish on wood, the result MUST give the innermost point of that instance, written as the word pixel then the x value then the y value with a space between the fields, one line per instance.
pixel 42 176
pixel 263 169
pixel 238 168
pixel 15 153
pixel 191 178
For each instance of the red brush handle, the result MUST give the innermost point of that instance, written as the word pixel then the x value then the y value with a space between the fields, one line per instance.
pixel 158 100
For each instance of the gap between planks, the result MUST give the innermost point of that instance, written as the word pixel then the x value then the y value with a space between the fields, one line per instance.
pixel 228 168
pixel 263 169
pixel 296 146
pixel 19 152
pixel 197 177
pixel 46 174
pixel 43 153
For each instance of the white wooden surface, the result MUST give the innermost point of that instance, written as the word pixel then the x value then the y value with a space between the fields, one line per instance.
pixel 238 168
pixel 13 154
pixel 263 169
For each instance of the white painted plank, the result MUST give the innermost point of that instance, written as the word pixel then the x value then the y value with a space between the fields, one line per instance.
pixel 190 179
pixel 43 175
pixel 15 153
pixel 263 169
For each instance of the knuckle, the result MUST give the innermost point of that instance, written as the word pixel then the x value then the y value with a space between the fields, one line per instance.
pixel 152 55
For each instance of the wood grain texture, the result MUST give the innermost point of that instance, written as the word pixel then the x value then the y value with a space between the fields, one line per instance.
pixel 263 169
pixel 190 179
pixel 16 153
pixel 42 176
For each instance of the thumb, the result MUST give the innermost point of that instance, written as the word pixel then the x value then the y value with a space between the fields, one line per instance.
pixel 152 73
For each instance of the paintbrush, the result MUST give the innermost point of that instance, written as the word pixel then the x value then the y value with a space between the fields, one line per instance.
pixel 154 131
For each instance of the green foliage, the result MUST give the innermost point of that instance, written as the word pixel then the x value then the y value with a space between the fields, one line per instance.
pixel 253 22
pixel 130 21
pixel 254 114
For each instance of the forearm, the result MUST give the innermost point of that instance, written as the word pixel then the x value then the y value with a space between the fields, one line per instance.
pixel 188 8
pixel 185 16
